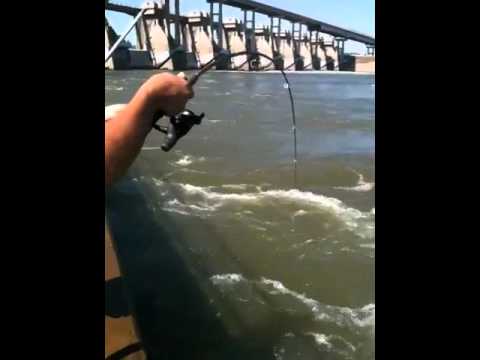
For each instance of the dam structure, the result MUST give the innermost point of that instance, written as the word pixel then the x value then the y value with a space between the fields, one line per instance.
pixel 166 39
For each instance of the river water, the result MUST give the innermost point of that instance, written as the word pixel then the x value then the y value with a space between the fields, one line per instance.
pixel 225 258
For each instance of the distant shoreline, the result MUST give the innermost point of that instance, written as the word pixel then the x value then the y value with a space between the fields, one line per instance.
pixel 306 72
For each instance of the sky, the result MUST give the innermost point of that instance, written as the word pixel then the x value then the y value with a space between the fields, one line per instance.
pixel 358 15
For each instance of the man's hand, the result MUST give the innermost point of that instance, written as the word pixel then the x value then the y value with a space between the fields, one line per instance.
pixel 168 93
pixel 125 133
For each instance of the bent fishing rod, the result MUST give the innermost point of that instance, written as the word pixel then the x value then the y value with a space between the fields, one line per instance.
pixel 182 123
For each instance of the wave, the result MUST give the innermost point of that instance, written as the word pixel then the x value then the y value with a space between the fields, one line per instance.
pixel 114 88
pixel 185 161
pixel 235 186
pixel 344 317
pixel 188 160
pixel 221 279
pixel 191 171
pixel 212 198
pixel 185 209
pixel 361 185
pixel 326 342
pixel 353 219
pixel 300 212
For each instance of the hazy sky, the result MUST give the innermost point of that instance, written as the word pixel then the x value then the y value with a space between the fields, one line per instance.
pixel 356 15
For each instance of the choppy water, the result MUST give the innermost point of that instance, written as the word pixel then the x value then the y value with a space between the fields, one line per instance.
pixel 225 258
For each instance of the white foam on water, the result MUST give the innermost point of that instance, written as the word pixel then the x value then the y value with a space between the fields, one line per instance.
pixel 229 279
pixel 214 121
pixel 356 221
pixel 362 224
pixel 195 207
pixel 235 186
pixel 321 339
pixel 343 316
pixel 356 318
pixel 259 228
pixel 158 182
pixel 192 171
pixel 279 288
pixel 187 160
pixel 147 148
pixel 368 246
pixel 186 209
pixel 361 186
pixel 278 353
pixel 328 203
pixel 299 213
pixel 114 88
pixel 295 196
pixel 176 211
pixel 365 317
pixel 212 196
pixel 325 342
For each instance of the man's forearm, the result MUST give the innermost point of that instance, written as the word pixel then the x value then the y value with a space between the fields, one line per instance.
pixel 125 135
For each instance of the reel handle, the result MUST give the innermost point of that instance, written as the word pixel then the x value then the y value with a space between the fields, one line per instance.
pixel 179 125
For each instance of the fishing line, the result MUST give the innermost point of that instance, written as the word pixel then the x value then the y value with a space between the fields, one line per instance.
pixel 251 55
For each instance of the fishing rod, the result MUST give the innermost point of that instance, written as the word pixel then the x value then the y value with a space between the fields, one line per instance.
pixel 182 123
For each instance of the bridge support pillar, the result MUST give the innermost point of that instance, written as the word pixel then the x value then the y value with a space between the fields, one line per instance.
pixel 370 50
pixel 331 54
pixel 153 30
pixel 178 38
pixel 319 58
pixel 236 42
pixel 287 50
pixel 275 29
pixel 264 44
pixel 340 47
pixel 216 25
pixel 217 31
pixel 249 31
pixel 305 51
pixel 202 43
pixel 296 41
